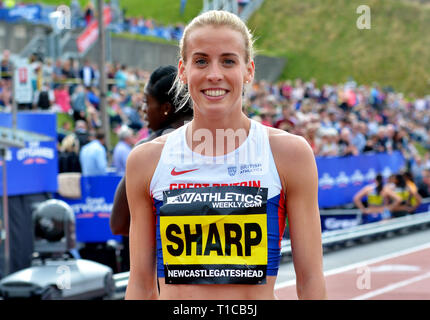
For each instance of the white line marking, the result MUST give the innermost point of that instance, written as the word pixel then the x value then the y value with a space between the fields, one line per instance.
pixel 360 264
pixel 392 287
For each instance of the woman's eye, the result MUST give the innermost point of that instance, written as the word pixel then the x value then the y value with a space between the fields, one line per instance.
pixel 200 62
pixel 229 62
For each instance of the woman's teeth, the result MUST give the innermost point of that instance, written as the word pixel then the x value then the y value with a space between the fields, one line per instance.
pixel 215 93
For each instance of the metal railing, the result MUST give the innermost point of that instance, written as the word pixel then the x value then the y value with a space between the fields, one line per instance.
pixel 367 230
pixel 329 238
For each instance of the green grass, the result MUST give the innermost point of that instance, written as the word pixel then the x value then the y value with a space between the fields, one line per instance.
pixel 320 40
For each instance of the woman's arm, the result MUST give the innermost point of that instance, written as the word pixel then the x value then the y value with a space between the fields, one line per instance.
pixel 394 197
pixel 358 196
pixel 120 216
pixel 297 169
pixel 142 283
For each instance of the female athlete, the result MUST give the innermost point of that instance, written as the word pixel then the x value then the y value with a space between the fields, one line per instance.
pixel 209 201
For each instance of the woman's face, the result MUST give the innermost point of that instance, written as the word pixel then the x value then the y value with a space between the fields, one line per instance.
pixel 215 70
pixel 153 112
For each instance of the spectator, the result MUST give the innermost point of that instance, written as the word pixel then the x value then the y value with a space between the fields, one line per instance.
pixel 122 149
pixel 79 103
pixel 93 156
pixel 358 139
pixel 68 157
pixel 161 115
pixel 48 71
pixel 346 147
pixel 121 77
pixel 62 98
pixel 87 74
pixel 75 13
pixel 57 73
pixel 312 139
pixel 424 185
pixel 45 98
pixel 81 132
pixel 89 13
pixel 6 66
pixel 329 145
pixel 63 132
pixel 287 118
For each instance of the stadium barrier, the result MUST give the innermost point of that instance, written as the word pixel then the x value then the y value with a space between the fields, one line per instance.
pixel 374 229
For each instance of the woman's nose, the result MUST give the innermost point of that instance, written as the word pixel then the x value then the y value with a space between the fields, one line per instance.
pixel 214 74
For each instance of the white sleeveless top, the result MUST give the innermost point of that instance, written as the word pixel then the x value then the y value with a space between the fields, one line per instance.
pixel 251 164
pixel 218 219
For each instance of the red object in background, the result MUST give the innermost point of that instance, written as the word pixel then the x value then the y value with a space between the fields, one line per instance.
pixel 91 32
pixel 22 75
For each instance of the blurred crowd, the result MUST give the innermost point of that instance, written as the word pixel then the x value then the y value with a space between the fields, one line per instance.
pixel 347 119
pixel 337 120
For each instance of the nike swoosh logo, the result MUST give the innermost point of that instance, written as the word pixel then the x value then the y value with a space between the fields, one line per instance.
pixel 177 173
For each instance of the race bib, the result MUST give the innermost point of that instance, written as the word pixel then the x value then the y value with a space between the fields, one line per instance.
pixel 214 235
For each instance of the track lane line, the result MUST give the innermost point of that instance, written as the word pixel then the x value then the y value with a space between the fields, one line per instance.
pixel 392 287
pixel 360 264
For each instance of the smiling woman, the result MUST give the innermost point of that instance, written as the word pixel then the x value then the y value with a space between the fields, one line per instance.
pixel 215 234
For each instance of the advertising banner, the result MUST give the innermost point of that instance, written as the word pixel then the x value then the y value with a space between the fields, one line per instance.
pixel 93 209
pixel 340 178
pixel 34 168
pixel 30 13
pixel 23 89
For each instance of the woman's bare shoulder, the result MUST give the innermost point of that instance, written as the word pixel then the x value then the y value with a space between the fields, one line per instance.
pixel 288 144
pixel 294 158
pixel 143 158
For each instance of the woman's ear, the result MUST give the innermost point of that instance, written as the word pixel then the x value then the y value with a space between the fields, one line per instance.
pixel 167 109
pixel 181 71
pixel 250 68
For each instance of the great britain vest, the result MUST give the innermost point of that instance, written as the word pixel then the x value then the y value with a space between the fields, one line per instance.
pixel 219 220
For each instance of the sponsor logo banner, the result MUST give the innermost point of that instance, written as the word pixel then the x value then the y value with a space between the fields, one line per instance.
pixel 341 177
pixel 34 168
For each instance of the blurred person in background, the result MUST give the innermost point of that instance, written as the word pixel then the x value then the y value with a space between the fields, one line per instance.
pixel 415 198
pixel 79 103
pixel 62 99
pixel 358 138
pixel 81 132
pixel 44 98
pixel 424 185
pixel 57 73
pixel 89 13
pixel 399 185
pixel 87 74
pixel 312 138
pixel 47 71
pixel 6 67
pixel 121 77
pixel 68 156
pixel 162 116
pixel 346 147
pixel 93 156
pixel 378 199
pixel 329 143
pixel 122 149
